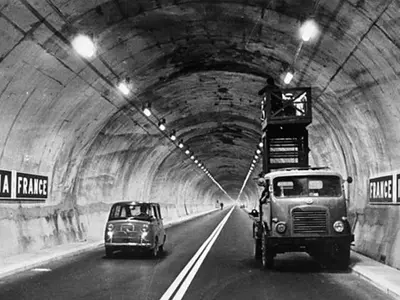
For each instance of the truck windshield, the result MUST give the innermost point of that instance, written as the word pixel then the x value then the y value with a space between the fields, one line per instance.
pixel 307 186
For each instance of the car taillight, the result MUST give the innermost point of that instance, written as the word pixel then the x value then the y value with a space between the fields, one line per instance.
pixel 110 227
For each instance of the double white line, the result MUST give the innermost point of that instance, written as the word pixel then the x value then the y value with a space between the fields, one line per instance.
pixel 178 288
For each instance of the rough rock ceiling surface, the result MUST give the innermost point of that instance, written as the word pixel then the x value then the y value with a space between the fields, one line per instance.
pixel 200 65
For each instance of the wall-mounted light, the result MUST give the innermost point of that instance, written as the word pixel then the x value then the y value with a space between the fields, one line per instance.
pixel 196 161
pixel 84 46
pixel 173 135
pixel 261 145
pixel 180 145
pixel 161 124
pixel 254 161
pixel 192 157
pixel 199 164
pixel 146 110
pixel 288 77
pixel 256 156
pixel 187 151
pixel 258 151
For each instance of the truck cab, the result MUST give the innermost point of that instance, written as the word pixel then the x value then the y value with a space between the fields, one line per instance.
pixel 303 209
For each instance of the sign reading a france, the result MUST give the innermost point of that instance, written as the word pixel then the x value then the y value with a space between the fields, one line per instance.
pixel 17 186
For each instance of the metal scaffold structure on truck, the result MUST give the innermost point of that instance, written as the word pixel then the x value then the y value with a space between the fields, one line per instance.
pixel 286 113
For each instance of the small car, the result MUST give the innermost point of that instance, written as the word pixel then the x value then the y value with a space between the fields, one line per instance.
pixel 134 226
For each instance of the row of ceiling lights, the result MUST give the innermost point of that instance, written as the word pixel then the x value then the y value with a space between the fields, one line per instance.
pixel 252 166
pixel 85 47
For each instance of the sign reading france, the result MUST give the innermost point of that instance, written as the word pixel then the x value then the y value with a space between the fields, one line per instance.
pixel 381 189
pixel 31 186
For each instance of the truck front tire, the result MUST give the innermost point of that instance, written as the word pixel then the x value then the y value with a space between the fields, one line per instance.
pixel 267 255
pixel 257 249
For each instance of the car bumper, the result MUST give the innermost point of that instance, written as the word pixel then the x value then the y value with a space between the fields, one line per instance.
pixel 144 245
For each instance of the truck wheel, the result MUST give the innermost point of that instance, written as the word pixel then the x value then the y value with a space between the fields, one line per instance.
pixel 257 249
pixel 341 255
pixel 267 256
pixel 109 252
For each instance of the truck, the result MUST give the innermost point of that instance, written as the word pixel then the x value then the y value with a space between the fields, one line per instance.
pixel 301 208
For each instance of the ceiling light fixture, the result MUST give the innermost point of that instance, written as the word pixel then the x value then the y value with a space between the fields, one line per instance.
pixel 173 136
pixel 161 124
pixel 308 30
pixel 288 77
pixel 84 46
pixel 180 145
pixel 146 110
pixel 124 88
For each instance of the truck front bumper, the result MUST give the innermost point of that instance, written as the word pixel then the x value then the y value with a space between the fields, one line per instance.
pixel 286 244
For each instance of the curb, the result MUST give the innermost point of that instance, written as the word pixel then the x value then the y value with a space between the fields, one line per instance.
pixel 13 269
pixel 389 288
pixel 7 271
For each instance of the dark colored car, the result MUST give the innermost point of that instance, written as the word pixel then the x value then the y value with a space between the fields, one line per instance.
pixel 134 226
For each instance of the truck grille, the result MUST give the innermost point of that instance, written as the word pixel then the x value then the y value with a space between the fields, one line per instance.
pixel 309 221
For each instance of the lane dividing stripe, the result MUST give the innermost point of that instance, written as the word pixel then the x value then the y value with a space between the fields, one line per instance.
pixel 196 262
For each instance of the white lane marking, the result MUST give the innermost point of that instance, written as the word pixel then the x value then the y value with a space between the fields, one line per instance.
pixel 41 270
pixel 185 285
pixel 194 259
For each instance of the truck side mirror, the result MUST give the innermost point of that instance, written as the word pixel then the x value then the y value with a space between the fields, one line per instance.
pixel 254 213
pixel 261 182
pixel 349 179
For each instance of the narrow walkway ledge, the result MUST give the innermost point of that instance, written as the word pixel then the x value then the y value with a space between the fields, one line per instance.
pixel 380 275
pixel 22 262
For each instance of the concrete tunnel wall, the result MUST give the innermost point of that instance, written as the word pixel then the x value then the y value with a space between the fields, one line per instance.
pixel 58 118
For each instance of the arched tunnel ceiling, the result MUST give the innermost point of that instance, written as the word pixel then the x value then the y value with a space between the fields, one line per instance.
pixel 200 65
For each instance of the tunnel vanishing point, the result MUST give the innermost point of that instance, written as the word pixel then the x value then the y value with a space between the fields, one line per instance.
pixel 198 65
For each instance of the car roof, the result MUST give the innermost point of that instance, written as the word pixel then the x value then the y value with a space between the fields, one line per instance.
pixel 135 203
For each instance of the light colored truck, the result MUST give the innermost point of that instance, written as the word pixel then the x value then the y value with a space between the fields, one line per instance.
pixel 303 209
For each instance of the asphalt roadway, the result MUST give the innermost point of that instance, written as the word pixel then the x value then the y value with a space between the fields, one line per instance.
pixel 210 257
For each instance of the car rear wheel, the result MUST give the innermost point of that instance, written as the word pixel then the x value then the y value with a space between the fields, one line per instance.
pixel 155 251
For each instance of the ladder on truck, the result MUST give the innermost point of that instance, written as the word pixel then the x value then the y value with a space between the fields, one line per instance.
pixel 286 113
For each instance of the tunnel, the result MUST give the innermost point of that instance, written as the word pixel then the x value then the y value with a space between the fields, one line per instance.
pixel 198 67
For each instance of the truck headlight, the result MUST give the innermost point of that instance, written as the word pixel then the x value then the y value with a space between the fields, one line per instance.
pixel 338 226
pixel 110 227
pixel 280 227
